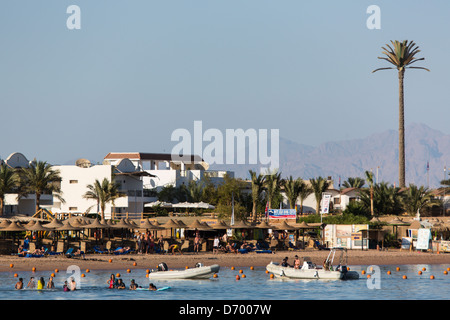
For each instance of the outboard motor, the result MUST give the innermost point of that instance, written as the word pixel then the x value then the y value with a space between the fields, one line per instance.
pixel 198 265
pixel 162 267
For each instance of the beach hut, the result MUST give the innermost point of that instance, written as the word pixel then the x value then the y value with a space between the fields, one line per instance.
pixel 395 223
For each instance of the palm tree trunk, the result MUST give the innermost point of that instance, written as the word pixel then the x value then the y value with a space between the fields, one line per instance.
pixel 38 201
pixel 2 205
pixel 254 211
pixel 401 130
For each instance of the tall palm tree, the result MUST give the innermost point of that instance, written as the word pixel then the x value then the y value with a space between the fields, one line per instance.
pixel 369 178
pixel 402 56
pixel 103 192
pixel 272 185
pixel 319 186
pixel 305 191
pixel 257 188
pixel 416 198
pixel 9 181
pixel 292 189
pixel 40 178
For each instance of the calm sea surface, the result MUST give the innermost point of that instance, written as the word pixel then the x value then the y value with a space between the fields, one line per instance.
pixel 256 285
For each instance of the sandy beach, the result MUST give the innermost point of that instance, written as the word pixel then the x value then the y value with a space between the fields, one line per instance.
pixel 150 261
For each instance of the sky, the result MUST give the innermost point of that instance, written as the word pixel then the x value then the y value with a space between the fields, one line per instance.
pixel 138 70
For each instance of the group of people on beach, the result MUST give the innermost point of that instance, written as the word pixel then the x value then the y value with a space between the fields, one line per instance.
pixel 114 283
pixel 40 284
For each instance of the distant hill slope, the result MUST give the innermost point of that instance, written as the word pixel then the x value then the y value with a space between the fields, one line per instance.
pixel 350 158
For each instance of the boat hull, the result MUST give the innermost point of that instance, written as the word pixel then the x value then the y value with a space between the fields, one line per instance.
pixel 193 273
pixel 289 272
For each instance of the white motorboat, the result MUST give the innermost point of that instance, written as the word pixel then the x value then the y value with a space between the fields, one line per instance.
pixel 199 272
pixel 310 271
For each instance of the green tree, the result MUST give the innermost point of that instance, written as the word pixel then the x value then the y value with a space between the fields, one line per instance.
pixel 369 178
pixel 103 192
pixel 415 198
pixel 40 178
pixel 292 188
pixel 354 183
pixel 319 186
pixel 305 191
pixel 387 199
pixel 272 185
pixel 9 182
pixel 257 189
pixel 401 56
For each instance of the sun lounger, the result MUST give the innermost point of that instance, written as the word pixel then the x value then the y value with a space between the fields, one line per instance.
pixel 118 251
pixel 98 250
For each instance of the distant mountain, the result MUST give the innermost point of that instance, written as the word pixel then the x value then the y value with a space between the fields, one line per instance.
pixel 351 158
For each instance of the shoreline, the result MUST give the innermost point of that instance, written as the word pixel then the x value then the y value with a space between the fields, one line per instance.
pixel 189 259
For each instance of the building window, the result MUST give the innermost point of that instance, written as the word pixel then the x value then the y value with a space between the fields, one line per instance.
pixel 73 208
pixel 337 200
pixel 73 181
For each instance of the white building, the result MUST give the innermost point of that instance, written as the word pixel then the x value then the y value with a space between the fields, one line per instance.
pixel 76 178
pixel 164 171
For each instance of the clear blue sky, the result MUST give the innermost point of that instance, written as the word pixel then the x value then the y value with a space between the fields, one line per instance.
pixel 139 69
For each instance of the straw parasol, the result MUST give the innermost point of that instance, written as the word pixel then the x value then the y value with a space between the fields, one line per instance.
pixel 197 225
pixel 285 226
pixel 5 223
pixel 264 225
pixel 181 224
pixel 146 224
pixel 241 225
pixel 67 226
pixel 96 224
pixel 170 224
pixel 14 226
pixel 220 225
pixel 36 226
pixel 122 224
pixel 54 224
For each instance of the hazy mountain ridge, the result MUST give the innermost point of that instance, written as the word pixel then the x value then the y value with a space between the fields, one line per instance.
pixel 351 158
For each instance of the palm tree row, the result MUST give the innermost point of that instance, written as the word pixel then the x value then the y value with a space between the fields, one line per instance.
pixel 38 178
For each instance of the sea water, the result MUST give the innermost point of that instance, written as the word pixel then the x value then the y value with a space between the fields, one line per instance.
pixel 256 285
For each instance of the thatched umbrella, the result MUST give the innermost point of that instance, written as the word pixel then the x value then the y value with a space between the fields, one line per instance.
pixel 264 225
pixel 285 226
pixel 5 223
pixel 241 225
pixel 96 224
pixel 170 224
pixel 54 224
pixel 221 225
pixel 197 225
pixel 14 226
pixel 67 226
pixel 36 226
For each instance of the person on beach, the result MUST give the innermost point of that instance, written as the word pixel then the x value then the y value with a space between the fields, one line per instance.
pixel 216 245
pixel 31 284
pixel 174 247
pixel 19 284
pixel 152 287
pixel 66 287
pixel 50 284
pixel 120 284
pixel 296 262
pixel 112 281
pixel 196 243
pixel 133 285
pixel 41 284
pixel 73 284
